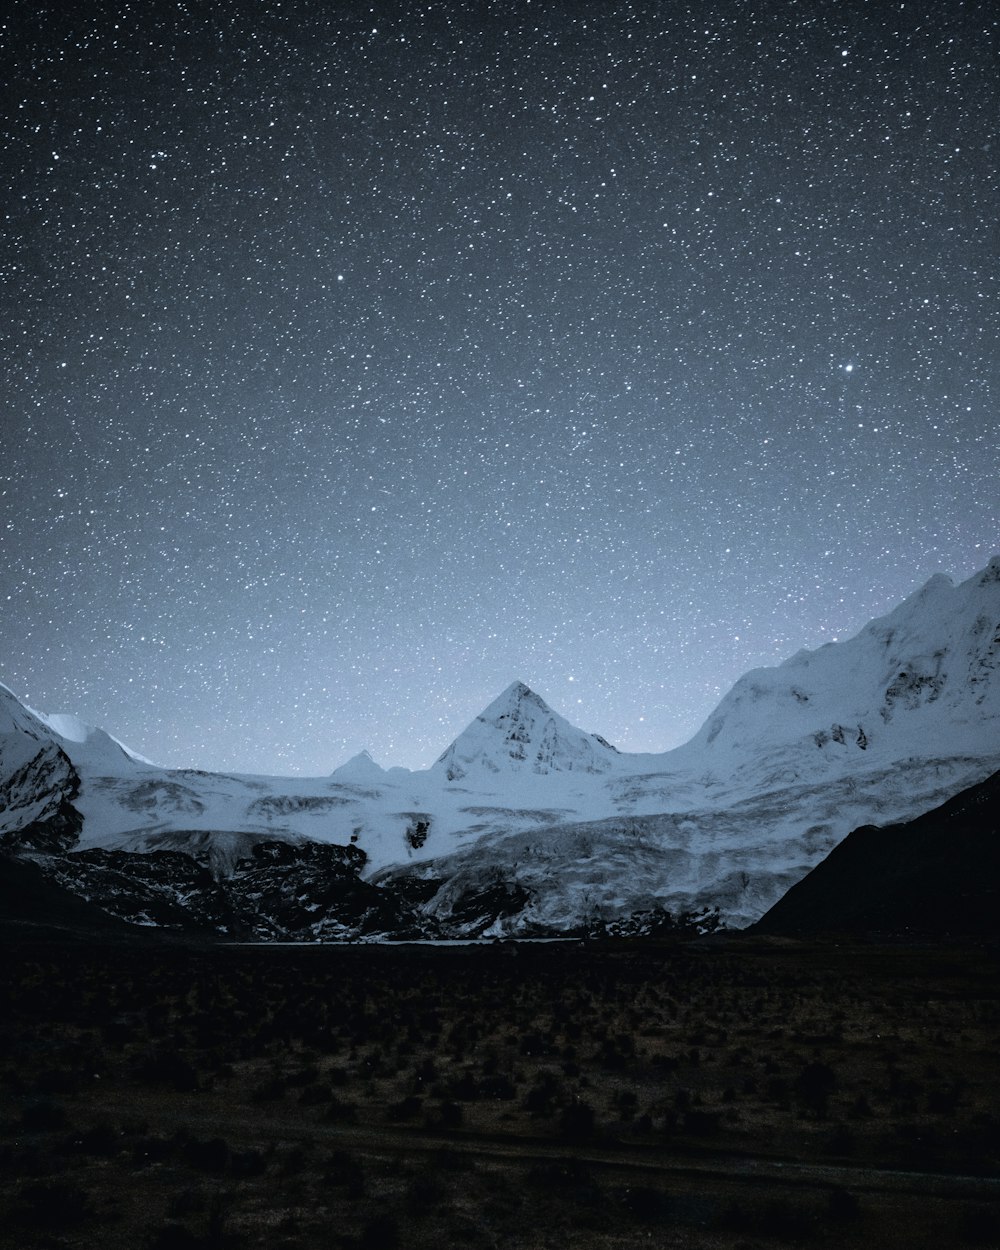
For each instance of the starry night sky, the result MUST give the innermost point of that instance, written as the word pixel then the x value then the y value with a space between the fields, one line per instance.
pixel 358 359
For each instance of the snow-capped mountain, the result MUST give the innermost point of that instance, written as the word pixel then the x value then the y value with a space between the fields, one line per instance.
pixel 926 671
pixel 38 783
pixel 518 733
pixel 360 768
pixel 526 823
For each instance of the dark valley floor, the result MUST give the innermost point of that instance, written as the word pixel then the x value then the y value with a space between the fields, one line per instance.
pixel 734 1092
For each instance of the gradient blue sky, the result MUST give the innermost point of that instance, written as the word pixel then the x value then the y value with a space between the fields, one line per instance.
pixel 361 358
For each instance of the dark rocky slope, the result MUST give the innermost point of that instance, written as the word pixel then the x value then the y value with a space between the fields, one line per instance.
pixel 32 904
pixel 934 876
pixel 278 892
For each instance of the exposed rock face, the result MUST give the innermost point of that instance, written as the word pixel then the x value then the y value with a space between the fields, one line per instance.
pixel 280 892
pixel 938 874
pixel 313 892
pixel 38 784
pixel 165 889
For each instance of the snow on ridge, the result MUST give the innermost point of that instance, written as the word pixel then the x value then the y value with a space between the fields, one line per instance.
pixel 793 757
pixel 17 717
pixel 930 666
pixel 68 726
pixel 928 671
pixel 519 733
pixel 78 739
pixel 359 767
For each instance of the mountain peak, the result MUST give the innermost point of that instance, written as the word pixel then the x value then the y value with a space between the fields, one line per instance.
pixel 938 581
pixel 359 767
pixel 17 717
pixel 989 574
pixel 935 584
pixel 516 693
pixel 78 739
pixel 519 733
pixel 927 671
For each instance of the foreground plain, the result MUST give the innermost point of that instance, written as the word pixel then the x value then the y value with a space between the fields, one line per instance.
pixel 733 1092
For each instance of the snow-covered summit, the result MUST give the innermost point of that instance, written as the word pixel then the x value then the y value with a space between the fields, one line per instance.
pixel 923 678
pixel 17 718
pixel 83 743
pixel 360 767
pixel 519 733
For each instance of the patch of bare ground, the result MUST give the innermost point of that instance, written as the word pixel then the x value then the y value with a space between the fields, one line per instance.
pixel 744 1094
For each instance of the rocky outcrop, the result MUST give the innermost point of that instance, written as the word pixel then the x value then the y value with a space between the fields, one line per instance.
pixel 279 892
pixel 165 889
pixel 38 784
pixel 314 892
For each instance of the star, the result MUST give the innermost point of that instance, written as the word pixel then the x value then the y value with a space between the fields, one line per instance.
pixel 407 372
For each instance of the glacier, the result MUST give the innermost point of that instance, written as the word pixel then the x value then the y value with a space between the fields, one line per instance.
pixel 527 824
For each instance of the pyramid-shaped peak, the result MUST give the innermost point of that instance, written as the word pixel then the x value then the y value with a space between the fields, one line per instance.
pixel 359 766
pixel 517 733
pixel 516 693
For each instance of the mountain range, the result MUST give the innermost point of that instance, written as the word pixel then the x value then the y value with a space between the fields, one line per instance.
pixel 526 824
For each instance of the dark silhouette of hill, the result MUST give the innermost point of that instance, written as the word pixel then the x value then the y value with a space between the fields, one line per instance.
pixel 33 906
pixel 936 875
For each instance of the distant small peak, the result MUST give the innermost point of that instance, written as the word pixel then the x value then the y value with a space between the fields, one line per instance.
pixel 362 763
pixel 70 727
